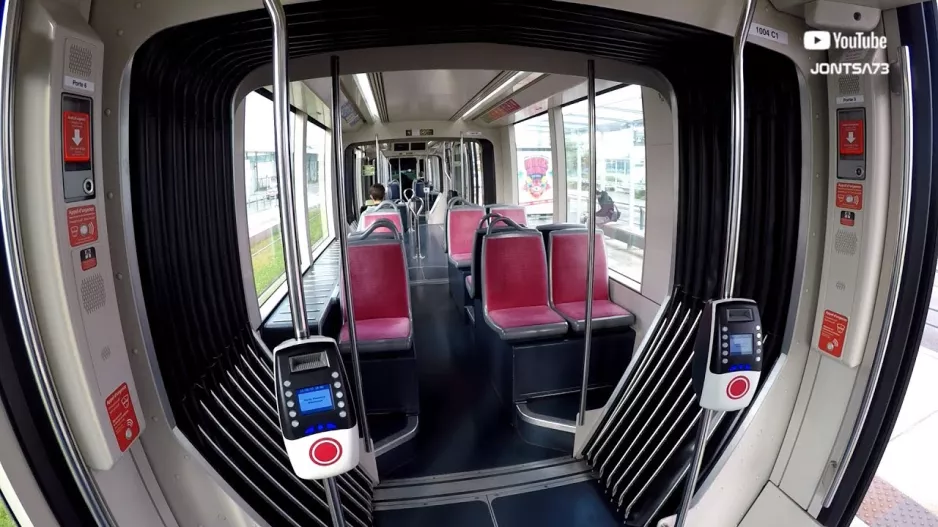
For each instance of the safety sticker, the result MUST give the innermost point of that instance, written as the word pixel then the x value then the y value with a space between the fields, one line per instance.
pixel 833 332
pixel 847 218
pixel 849 196
pixel 851 137
pixel 89 259
pixel 76 137
pixel 120 410
pixel 82 225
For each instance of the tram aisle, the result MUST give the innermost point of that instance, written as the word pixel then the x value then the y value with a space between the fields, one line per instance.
pixel 463 426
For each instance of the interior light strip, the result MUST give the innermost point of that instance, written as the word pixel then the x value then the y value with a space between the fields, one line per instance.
pixel 364 86
pixel 493 93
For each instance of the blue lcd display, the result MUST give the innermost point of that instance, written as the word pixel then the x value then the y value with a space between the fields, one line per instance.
pixel 315 399
pixel 741 344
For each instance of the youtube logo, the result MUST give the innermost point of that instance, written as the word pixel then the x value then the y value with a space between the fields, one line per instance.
pixel 817 40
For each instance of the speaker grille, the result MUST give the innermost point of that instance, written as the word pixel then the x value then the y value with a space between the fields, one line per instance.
pixel 849 85
pixel 845 242
pixel 92 293
pixel 79 60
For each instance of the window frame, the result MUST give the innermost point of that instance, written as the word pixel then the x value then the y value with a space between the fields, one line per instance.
pixel 260 311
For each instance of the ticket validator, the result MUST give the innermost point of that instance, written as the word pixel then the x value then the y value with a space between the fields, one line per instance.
pixel 728 354
pixel 317 417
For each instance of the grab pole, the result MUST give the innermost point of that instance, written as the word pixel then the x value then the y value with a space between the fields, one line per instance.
pixel 737 158
pixel 338 174
pixel 591 236
pixel 378 178
pixel 291 248
pixel 462 168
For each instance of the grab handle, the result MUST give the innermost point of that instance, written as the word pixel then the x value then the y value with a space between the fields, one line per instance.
pixel 387 204
pixel 455 201
pixel 488 217
pixel 379 223
pixel 507 221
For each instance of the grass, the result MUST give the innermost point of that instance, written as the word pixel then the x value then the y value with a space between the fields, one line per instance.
pixel 267 256
pixel 5 519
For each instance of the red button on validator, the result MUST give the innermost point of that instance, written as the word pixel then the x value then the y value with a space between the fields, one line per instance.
pixel 737 388
pixel 325 452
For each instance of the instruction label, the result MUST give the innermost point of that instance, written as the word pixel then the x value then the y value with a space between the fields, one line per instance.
pixel 847 218
pixel 833 332
pixel 120 410
pixel 82 225
pixel 89 258
pixel 851 137
pixel 76 137
pixel 849 196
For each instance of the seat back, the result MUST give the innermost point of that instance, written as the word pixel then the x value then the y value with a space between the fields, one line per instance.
pixel 461 224
pixel 394 190
pixel 551 227
pixel 569 257
pixel 378 278
pixel 476 269
pixel 515 213
pixel 514 270
pixel 392 215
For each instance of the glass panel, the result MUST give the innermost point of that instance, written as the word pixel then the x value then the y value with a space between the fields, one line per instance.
pixel 535 173
pixel 262 192
pixel 620 144
pixel 317 152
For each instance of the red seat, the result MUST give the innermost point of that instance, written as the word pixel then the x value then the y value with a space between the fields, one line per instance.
pixel 380 296
pixel 368 218
pixel 514 286
pixel 461 225
pixel 514 213
pixel 568 267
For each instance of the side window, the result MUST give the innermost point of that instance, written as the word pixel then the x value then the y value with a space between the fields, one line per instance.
pixel 535 173
pixel 317 173
pixel 262 193
pixel 620 207
pixel 6 518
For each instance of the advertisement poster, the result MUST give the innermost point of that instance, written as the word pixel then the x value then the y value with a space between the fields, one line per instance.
pixel 535 186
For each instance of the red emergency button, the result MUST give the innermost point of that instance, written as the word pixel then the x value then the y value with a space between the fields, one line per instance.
pixel 325 452
pixel 851 137
pixel 737 388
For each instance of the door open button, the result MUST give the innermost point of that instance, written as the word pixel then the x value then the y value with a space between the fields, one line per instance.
pixel 737 388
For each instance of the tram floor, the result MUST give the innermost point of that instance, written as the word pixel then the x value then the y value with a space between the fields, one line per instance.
pixel 578 505
pixel 463 425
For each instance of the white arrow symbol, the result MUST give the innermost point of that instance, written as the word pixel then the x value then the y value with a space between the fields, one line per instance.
pixel 76 138
pixel 850 137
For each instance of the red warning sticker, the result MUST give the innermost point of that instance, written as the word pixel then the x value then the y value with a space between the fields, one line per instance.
pixel 850 196
pixel 89 259
pixel 851 137
pixel 847 218
pixel 82 225
pixel 76 137
pixel 833 333
pixel 120 410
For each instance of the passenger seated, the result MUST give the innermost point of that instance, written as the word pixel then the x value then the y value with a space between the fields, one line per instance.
pixel 568 268
pixel 376 192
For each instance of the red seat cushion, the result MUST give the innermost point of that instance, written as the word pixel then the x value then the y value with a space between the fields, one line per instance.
pixel 461 259
pixel 601 309
pixel 378 329
pixel 393 216
pixel 568 265
pixel 531 316
pixel 461 226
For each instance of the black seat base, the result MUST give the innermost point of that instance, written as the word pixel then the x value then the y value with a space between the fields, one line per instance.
pixel 457 285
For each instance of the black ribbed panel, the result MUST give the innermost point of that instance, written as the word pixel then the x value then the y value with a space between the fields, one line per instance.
pixel 645 442
pixel 217 379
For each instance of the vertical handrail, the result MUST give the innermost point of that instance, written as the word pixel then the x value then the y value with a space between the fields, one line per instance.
pixel 291 253
pixel 291 248
pixel 892 297
pixel 379 178
pixel 591 235
pixel 22 299
pixel 462 167
pixel 737 159
pixel 339 177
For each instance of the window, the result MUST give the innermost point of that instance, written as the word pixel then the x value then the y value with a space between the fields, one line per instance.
pixel 318 147
pixel 262 192
pixel 620 144
pixel 6 519
pixel 535 174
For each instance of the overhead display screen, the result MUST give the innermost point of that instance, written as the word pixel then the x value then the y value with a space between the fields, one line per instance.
pixel 741 344
pixel 315 399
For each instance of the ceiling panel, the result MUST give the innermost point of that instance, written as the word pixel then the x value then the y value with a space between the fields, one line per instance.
pixel 431 95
